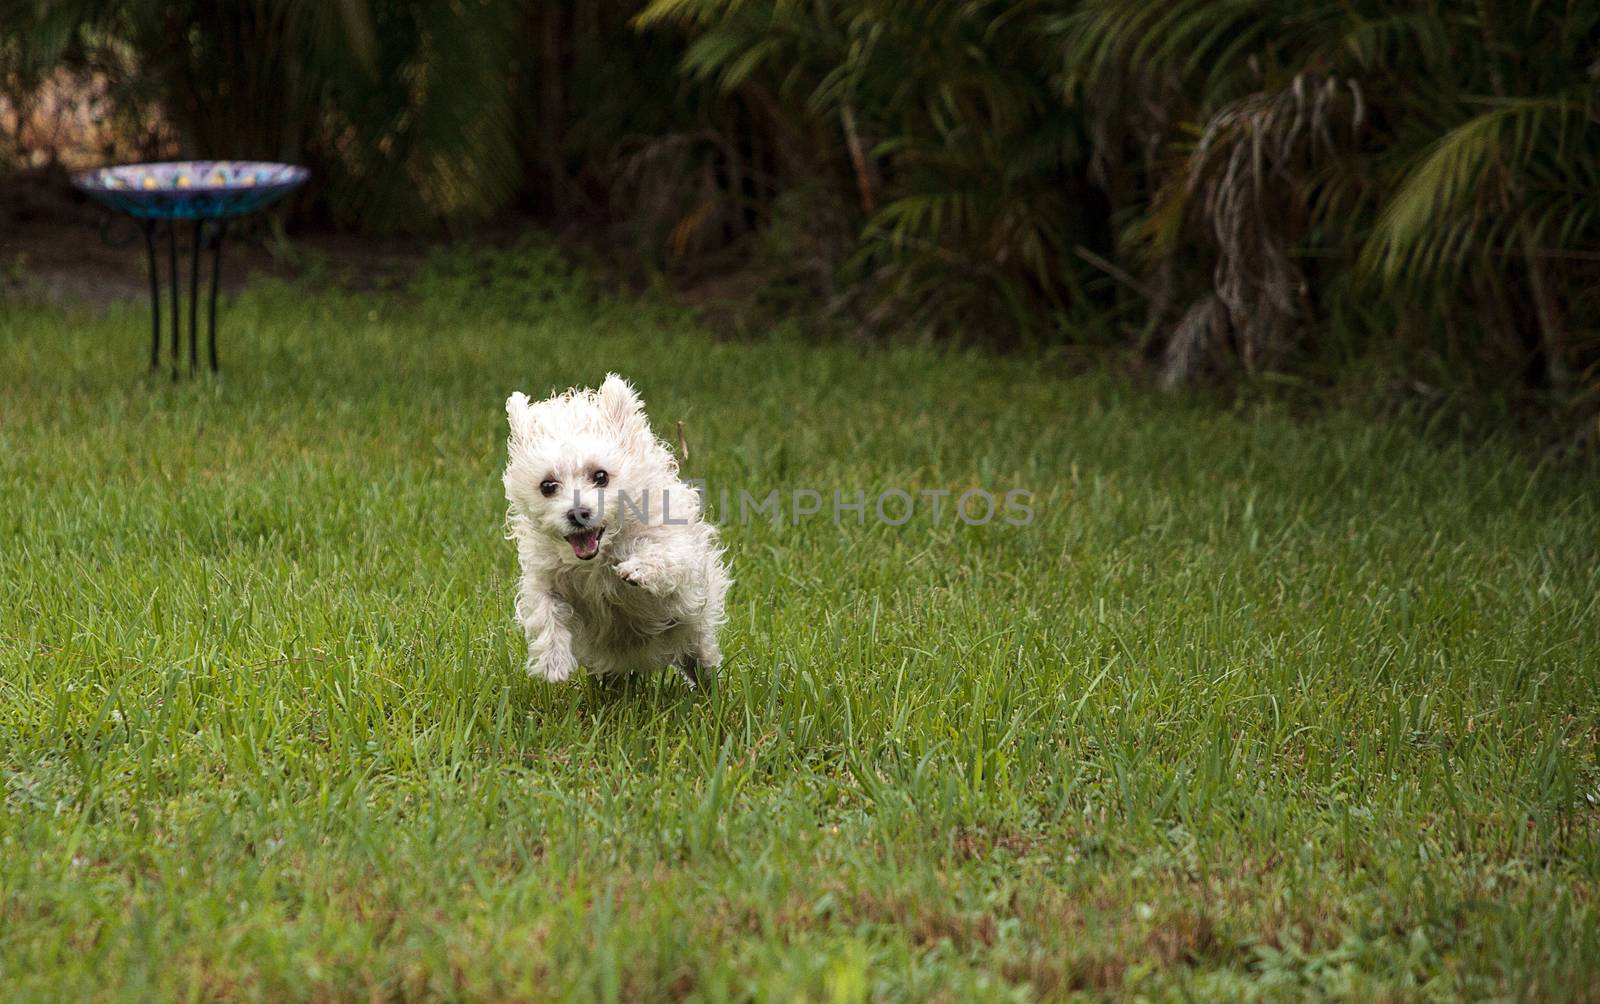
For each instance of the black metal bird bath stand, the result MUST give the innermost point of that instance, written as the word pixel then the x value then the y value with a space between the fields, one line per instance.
pixel 205 194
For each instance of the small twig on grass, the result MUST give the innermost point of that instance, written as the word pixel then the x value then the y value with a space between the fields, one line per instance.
pixel 683 443
pixel 42 647
pixel 755 747
pixel 317 655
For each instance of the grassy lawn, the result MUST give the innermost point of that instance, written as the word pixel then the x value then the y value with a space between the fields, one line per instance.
pixel 1257 706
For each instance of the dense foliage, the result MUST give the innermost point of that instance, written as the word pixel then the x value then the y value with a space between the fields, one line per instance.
pixel 1227 185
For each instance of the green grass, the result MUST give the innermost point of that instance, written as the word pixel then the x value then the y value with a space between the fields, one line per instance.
pixel 1257 707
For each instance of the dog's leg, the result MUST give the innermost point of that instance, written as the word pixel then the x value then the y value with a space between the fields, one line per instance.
pixel 696 676
pixel 709 653
pixel 649 570
pixel 543 620
pixel 664 565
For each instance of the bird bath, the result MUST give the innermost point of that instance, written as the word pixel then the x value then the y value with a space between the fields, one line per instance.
pixel 206 193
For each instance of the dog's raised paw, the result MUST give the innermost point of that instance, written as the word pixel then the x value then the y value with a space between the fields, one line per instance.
pixel 635 574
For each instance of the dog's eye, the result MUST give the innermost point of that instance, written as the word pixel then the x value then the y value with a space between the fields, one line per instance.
pixel 601 479
pixel 549 488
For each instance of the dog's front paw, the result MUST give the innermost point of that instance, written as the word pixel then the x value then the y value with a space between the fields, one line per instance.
pixel 637 573
pixel 554 665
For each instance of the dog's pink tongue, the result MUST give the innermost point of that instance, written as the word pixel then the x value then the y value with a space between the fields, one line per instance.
pixel 586 544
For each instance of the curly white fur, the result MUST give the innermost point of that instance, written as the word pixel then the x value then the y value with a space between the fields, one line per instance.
pixel 620 572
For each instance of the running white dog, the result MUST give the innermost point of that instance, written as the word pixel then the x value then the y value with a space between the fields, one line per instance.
pixel 619 571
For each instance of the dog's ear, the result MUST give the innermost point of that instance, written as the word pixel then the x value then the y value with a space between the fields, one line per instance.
pixel 519 415
pixel 620 404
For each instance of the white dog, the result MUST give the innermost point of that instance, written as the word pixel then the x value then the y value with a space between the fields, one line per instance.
pixel 619 571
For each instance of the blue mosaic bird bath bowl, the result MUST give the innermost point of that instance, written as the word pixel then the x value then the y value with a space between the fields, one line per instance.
pixel 191 189
pixel 206 194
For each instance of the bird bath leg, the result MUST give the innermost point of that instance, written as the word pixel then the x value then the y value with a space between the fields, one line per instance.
pixel 194 300
pixel 172 267
pixel 149 228
pixel 216 271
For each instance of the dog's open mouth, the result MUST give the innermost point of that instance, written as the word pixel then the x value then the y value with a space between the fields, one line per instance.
pixel 586 543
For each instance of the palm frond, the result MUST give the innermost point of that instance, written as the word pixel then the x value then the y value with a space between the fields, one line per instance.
pixel 1466 180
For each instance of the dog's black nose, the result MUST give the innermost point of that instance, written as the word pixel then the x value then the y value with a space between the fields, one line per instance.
pixel 580 516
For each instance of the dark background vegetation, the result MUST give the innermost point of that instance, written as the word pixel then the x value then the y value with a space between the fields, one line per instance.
pixel 1390 195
